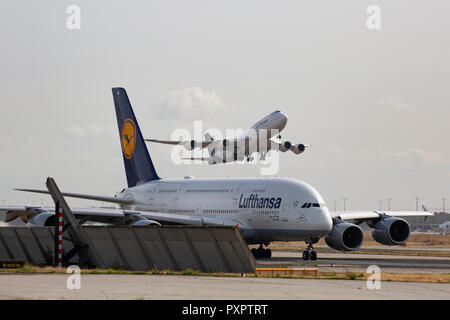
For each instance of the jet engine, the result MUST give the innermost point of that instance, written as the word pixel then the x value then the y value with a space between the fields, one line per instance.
pixel 298 148
pixel 345 236
pixel 191 145
pixel 225 143
pixel 285 146
pixel 390 231
pixel 42 219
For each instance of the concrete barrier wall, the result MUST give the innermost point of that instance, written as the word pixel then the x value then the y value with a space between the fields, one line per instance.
pixel 208 249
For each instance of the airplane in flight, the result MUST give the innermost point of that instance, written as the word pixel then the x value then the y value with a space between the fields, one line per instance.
pixel 264 210
pixel 260 138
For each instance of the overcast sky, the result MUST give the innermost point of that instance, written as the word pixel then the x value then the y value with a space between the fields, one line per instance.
pixel 375 104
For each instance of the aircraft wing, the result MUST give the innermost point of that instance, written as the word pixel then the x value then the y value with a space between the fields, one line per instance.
pixel 368 215
pixel 202 144
pixel 107 215
pixel 84 196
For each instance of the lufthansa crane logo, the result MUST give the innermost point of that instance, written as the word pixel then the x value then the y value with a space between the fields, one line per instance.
pixel 128 138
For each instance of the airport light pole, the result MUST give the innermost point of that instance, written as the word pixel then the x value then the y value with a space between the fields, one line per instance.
pixel 381 202
pixel 344 202
pixel 443 205
pixel 417 209
pixel 389 204
pixel 335 202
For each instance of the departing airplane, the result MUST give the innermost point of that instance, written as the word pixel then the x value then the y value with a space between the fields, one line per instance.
pixel 264 210
pixel 262 137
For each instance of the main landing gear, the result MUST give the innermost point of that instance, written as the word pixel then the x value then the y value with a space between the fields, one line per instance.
pixel 261 252
pixel 309 253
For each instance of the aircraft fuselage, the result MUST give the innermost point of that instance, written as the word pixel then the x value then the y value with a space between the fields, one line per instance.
pixel 265 209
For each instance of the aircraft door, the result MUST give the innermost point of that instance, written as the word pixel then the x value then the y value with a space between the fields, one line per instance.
pixel 285 208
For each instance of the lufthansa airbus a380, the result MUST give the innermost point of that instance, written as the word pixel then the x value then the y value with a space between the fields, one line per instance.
pixel 264 210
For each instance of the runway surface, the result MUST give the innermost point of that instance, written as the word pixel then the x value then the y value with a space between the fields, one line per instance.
pixel 53 286
pixel 359 262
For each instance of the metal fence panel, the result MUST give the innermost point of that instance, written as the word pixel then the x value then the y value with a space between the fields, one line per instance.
pixel 129 248
pixel 208 249
pixel 102 242
pixel 5 254
pixel 32 248
pixel 179 248
pixel 10 239
pixel 46 240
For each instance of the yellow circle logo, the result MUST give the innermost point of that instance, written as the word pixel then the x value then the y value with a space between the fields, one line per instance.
pixel 128 138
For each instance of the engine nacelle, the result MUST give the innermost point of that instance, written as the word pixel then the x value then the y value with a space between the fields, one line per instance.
pixel 345 236
pixel 298 148
pixel 145 222
pixel 191 145
pixel 42 219
pixel 390 231
pixel 285 146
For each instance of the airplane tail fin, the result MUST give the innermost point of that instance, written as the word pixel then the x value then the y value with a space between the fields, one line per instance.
pixel 138 164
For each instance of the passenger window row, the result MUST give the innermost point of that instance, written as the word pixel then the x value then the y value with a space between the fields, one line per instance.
pixel 220 211
pixel 207 190
pixel 265 211
pixel 181 211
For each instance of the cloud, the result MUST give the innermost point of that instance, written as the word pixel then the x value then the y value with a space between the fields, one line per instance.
pixel 400 160
pixel 420 158
pixel 395 103
pixel 92 130
pixel 191 103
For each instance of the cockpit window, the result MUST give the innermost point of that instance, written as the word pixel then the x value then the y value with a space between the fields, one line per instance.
pixel 315 205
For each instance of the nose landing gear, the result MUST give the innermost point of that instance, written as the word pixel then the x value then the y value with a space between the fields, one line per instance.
pixel 309 253
pixel 261 252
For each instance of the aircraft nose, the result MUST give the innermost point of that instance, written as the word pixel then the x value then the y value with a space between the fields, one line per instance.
pixel 326 221
pixel 282 121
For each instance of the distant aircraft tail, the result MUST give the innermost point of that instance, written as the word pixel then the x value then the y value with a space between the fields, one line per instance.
pixel 138 164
